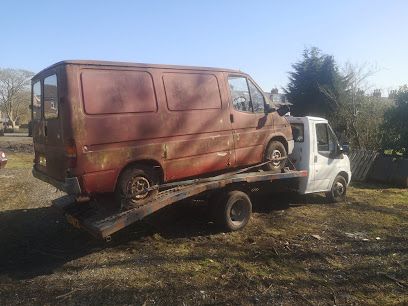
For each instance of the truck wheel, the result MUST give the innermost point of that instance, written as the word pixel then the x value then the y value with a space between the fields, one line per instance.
pixel 234 210
pixel 338 190
pixel 275 149
pixel 131 185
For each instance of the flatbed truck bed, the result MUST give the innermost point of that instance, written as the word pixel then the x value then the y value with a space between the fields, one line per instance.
pixel 104 220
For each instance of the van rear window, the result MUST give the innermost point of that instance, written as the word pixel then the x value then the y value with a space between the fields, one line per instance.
pixel 36 101
pixel 50 97
pixel 115 92
pixel 191 91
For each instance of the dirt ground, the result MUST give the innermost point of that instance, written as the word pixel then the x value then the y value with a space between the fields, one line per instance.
pixel 295 250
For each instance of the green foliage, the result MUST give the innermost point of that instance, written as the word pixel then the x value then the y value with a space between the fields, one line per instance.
pixel 395 126
pixel 317 87
pixel 314 85
pixel 363 126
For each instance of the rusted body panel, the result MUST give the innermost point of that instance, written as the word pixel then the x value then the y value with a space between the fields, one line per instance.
pixel 177 119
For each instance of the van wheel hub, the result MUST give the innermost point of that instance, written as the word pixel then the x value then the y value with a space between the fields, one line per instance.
pixel 276 154
pixel 136 188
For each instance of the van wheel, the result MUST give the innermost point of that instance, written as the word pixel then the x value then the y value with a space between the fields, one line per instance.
pixel 275 150
pixel 338 190
pixel 130 190
pixel 234 210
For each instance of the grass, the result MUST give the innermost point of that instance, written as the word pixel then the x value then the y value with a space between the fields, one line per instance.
pixel 19 160
pixel 295 251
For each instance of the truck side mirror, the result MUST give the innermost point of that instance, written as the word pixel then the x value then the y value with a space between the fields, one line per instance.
pixel 345 148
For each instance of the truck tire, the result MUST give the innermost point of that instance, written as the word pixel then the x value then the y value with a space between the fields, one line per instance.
pixel 338 190
pixel 275 149
pixel 234 210
pixel 130 186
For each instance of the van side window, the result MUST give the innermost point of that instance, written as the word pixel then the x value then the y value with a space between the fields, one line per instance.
pixel 241 99
pixel 257 98
pixel 36 102
pixel 50 97
pixel 191 91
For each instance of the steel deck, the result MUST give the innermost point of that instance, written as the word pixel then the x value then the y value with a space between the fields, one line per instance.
pixel 102 221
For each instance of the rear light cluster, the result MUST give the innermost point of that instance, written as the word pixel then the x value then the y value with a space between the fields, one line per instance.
pixel 71 153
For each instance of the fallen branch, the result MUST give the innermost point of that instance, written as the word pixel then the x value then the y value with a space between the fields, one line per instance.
pixel 67 294
pixel 333 295
pixel 303 298
pixel 399 282
pixel 267 289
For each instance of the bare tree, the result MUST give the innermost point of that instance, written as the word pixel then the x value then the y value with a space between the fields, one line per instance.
pixel 361 114
pixel 14 93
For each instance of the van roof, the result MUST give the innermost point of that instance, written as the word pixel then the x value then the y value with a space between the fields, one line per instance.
pixel 127 64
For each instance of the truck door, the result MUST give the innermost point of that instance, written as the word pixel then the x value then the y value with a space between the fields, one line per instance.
pixel 326 157
pixel 250 125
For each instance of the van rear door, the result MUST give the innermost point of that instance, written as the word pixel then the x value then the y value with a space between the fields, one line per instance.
pixel 47 127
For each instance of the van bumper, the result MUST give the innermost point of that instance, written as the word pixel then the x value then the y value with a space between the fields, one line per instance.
pixel 70 185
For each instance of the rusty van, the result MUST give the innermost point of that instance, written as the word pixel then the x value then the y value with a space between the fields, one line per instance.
pixel 104 127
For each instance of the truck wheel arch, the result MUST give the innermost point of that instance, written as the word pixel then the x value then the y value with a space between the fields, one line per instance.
pixel 341 173
pixel 345 175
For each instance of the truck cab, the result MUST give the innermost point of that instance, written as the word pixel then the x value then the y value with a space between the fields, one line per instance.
pixel 317 150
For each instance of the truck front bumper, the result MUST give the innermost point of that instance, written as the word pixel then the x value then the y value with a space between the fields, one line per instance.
pixel 70 185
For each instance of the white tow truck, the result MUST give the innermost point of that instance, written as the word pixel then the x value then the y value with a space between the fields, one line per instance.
pixel 316 164
pixel 318 151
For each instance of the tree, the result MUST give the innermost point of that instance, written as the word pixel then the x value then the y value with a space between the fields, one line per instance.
pixel 395 126
pixel 359 116
pixel 314 85
pixel 317 87
pixel 15 93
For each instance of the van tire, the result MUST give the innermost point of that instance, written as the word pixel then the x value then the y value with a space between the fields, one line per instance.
pixel 234 210
pixel 132 180
pixel 275 149
pixel 338 190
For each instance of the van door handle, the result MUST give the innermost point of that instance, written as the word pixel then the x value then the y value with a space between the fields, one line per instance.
pixel 315 158
pixel 232 118
pixel 45 130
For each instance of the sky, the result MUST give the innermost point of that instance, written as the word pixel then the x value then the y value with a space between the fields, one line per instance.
pixel 262 38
